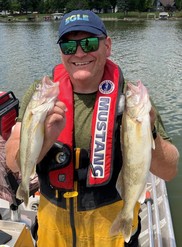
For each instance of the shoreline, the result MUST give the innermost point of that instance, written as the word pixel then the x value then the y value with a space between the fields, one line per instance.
pixel 131 16
pixel 2 20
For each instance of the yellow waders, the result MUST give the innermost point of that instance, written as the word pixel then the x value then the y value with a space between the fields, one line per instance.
pixel 92 226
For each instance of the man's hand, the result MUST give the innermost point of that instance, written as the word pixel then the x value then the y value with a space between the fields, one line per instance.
pixel 55 121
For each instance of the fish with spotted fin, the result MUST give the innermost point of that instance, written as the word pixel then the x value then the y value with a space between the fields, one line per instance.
pixel 32 132
pixel 137 144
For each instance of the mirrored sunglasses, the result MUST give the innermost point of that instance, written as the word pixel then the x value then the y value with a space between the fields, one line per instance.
pixel 69 47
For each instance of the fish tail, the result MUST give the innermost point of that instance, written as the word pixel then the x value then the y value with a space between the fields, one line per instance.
pixel 23 193
pixel 122 225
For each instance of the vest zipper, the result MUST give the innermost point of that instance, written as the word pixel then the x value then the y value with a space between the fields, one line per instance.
pixel 70 205
pixel 73 200
pixel 72 221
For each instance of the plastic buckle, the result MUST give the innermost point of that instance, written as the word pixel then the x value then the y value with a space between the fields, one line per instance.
pixel 70 194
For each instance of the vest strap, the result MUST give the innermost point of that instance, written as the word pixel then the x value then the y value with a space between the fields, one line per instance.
pixel 104 126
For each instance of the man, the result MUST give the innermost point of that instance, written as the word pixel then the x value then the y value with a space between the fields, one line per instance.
pixel 79 201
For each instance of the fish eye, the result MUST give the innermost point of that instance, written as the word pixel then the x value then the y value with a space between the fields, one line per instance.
pixel 128 93
pixel 38 86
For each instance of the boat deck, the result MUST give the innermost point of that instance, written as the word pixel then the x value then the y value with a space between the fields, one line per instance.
pixel 157 226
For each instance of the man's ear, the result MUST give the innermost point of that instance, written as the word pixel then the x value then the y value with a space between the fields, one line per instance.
pixel 108 46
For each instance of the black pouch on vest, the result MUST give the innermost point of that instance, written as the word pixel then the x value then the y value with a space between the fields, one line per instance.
pixel 59 168
pixel 62 171
pixel 59 171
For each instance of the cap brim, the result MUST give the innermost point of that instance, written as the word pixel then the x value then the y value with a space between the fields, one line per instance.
pixel 87 29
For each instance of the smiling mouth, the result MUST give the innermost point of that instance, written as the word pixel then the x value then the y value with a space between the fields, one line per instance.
pixel 81 64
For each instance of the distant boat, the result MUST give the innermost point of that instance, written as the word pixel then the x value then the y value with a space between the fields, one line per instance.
pixel 57 16
pixel 163 16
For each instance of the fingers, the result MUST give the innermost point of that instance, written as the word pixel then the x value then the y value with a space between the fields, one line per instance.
pixel 58 112
pixel 59 108
pixel 55 121
pixel 60 105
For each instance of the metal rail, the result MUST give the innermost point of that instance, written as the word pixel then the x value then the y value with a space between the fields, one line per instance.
pixel 157 225
pixel 156 210
pixel 149 202
pixel 172 242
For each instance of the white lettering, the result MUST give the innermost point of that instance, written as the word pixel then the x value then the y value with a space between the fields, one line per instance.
pixel 100 137
pixel 77 17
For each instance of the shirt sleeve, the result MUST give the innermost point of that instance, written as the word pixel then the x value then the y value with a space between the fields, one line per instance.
pixel 159 124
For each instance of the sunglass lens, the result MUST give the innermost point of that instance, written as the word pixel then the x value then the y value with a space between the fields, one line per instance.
pixel 90 44
pixel 68 47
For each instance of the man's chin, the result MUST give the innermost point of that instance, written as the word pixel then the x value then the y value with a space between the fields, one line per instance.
pixel 81 75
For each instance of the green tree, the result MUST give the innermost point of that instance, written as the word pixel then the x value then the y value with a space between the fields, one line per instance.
pixel 5 5
pixel 100 5
pixel 133 5
pixel 59 5
pixel 141 5
pixel 77 4
pixel 15 5
pixel 106 5
pixel 47 6
pixel 24 5
pixel 123 6
pixel 149 4
pixel 179 4
pixel 31 5
pixel 34 5
pixel 40 7
pixel 113 3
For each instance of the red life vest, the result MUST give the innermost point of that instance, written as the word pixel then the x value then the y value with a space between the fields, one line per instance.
pixel 103 127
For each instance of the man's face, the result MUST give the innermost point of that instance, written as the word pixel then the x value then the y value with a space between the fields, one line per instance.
pixel 86 67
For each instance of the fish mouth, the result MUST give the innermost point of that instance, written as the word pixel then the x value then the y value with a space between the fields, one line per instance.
pixel 47 81
pixel 134 87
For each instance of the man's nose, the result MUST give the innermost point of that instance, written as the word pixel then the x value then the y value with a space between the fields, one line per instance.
pixel 80 52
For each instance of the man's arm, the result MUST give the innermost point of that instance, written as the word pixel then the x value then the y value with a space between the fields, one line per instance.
pixel 12 148
pixel 165 158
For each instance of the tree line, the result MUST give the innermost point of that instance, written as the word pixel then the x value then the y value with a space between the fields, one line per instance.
pixel 51 6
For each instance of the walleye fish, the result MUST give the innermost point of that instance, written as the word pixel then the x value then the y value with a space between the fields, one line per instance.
pixel 32 132
pixel 137 144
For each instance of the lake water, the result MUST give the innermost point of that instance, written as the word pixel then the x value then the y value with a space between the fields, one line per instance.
pixel 148 50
